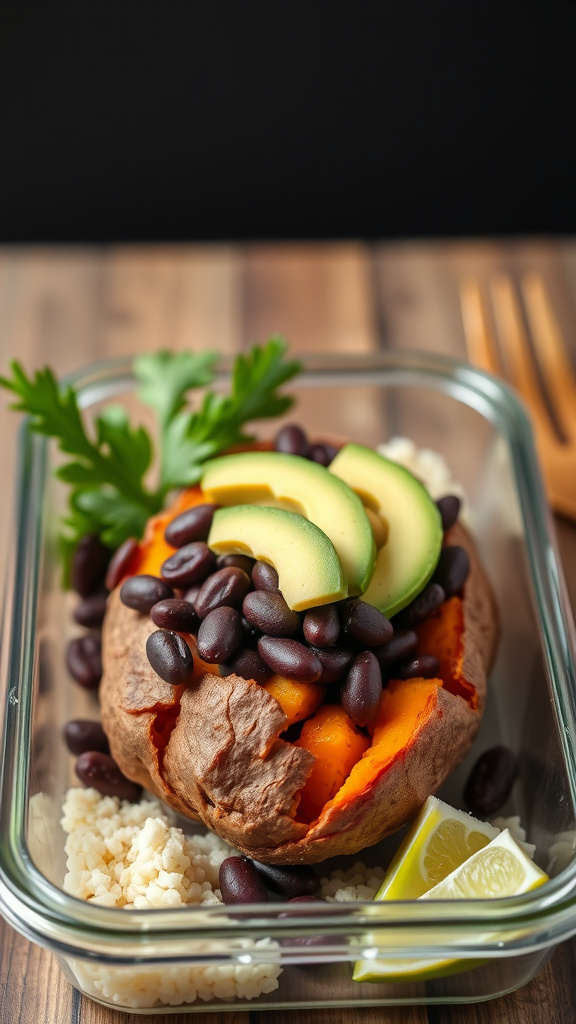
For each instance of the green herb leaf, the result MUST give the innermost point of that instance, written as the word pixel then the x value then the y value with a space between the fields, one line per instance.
pixel 191 438
pixel 118 517
pixel 166 378
pixel 108 494
pixel 131 449
pixel 109 497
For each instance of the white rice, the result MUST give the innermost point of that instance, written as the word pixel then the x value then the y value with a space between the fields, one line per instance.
pixel 132 856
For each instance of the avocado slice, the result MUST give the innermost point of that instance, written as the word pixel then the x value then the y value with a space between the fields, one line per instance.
pixel 406 562
pixel 294 484
pixel 308 567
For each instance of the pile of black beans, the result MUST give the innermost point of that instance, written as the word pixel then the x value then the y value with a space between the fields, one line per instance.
pixel 93 575
pixel 234 607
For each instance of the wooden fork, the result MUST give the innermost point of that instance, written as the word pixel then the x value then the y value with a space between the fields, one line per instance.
pixel 556 442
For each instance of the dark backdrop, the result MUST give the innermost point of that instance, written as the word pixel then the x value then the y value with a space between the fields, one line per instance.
pixel 217 119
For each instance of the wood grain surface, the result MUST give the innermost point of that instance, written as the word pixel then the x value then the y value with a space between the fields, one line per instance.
pixel 68 307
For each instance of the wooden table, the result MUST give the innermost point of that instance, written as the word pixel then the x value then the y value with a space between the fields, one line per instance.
pixel 67 307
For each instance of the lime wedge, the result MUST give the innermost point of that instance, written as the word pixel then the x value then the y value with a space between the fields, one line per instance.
pixel 440 839
pixel 500 869
pixel 448 855
pixel 409 970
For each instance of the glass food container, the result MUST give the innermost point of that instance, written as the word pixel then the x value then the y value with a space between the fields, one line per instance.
pixel 495 945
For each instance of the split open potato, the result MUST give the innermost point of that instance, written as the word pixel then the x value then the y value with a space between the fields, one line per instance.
pixel 213 749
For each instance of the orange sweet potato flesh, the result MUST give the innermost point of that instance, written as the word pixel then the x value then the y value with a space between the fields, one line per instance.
pixel 443 636
pixel 213 749
pixel 337 744
pixel 298 700
pixel 405 708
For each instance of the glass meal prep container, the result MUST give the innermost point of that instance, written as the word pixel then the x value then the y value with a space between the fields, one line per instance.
pixel 495 946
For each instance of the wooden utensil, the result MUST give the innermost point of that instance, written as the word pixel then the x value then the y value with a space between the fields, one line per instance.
pixel 538 371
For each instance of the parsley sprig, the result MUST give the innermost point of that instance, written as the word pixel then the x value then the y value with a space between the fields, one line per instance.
pixel 192 437
pixel 108 471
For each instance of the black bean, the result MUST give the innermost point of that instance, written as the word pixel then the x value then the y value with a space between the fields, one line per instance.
pixel 82 735
pixel 90 610
pixel 292 440
pixel 236 562
pixel 239 882
pixel 265 577
pixel 331 450
pixel 175 614
pixel 322 625
pixel 452 569
pixel 191 593
pixel 425 604
pixel 143 592
pixel 220 635
pixel 190 564
pixel 425 666
pixel 365 624
pixel 403 645
pixel 89 564
pixel 192 525
pixel 292 941
pixel 84 661
pixel 120 563
pixel 227 586
pixel 449 508
pixel 270 613
pixel 170 657
pixel 290 659
pixel 294 881
pixel 491 780
pixel 360 694
pixel 99 771
pixel 335 661
pixel 319 453
pixel 248 664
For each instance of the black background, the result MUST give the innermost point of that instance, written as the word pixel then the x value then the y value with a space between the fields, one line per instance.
pixel 242 119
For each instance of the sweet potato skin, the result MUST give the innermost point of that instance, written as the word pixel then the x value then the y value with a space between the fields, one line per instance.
pixel 481 623
pixel 221 760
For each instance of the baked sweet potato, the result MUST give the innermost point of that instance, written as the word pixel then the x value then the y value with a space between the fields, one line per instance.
pixel 214 751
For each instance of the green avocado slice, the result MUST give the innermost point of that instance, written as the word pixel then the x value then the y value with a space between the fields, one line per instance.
pixel 308 567
pixel 276 480
pixel 406 562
